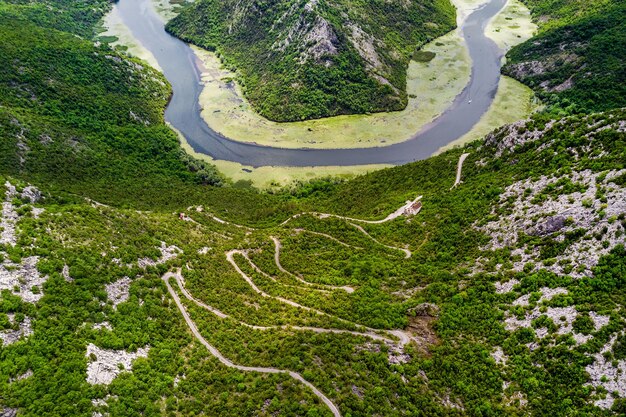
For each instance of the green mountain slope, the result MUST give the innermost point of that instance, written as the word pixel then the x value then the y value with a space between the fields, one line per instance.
pixel 73 113
pixel 503 311
pixel 309 59
pixel 578 59
pixel 503 296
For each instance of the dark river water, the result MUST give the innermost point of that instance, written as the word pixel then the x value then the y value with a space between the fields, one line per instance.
pixel 180 67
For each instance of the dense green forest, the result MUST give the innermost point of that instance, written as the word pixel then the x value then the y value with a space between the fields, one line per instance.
pixel 577 62
pixel 303 59
pixel 76 110
pixel 503 296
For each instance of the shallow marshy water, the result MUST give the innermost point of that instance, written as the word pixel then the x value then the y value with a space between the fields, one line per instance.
pixel 180 66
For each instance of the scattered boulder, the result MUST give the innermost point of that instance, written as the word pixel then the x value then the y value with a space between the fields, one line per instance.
pixel 426 310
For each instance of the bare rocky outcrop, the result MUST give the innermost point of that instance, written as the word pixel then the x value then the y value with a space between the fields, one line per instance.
pixel 24 330
pixel 167 253
pixel 610 375
pixel 425 310
pixel 527 208
pixel 310 30
pixel 22 377
pixel 32 194
pixel 562 317
pixel 510 138
pixel 8 412
pixel 499 356
pixel 101 406
pixel 321 40
pixel 23 279
pixel 9 217
pixel 533 68
pixel 514 135
pixel 599 321
pixel 105 365
pixel 118 291
pixel 506 287
pixel 65 273
pixel 104 325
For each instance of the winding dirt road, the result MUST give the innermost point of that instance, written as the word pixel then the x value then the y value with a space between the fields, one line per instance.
pixel 194 330
pixel 403 336
pixel 458 170
pixel 399 212
pixel 407 253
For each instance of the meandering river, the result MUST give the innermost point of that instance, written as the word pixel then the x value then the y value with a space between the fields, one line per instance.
pixel 181 67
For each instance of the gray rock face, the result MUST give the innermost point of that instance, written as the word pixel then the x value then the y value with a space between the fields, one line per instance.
pixel 551 225
pixel 31 194
pixel 108 364
pixel 556 216
pixel 22 279
pixel 8 412
pixel 426 310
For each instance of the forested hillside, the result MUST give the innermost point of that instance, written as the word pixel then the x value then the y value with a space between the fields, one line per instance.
pixel 306 59
pixel 577 62
pixel 502 294
pixel 83 116
pixel 486 281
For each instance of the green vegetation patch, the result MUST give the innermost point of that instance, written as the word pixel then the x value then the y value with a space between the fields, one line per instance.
pixel 423 56
pixel 300 59
pixel 578 60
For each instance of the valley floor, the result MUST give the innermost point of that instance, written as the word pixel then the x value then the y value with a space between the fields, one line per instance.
pixel 432 87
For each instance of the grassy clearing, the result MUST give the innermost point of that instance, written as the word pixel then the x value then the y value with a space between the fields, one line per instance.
pixel 512 26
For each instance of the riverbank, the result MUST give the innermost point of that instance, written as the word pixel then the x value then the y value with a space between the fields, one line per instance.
pixel 431 86
pixel 274 177
pixel 514 101
pixel 115 33
pixel 173 56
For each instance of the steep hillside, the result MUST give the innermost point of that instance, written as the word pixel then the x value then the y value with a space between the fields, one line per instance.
pixel 504 293
pixel 66 15
pixel 308 59
pixel 578 59
pixel 83 116
pixel 486 281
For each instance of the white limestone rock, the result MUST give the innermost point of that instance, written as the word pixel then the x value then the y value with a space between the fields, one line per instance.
pixel 108 364
pixel 23 279
pixel 118 291
pixel 167 253
pixel 25 329
pixel 608 375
